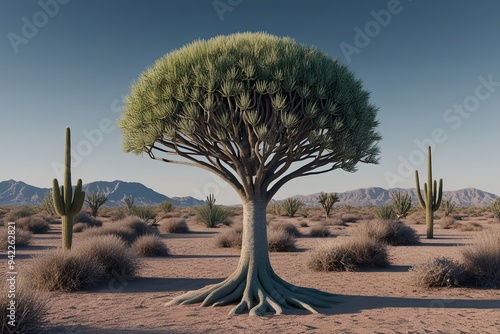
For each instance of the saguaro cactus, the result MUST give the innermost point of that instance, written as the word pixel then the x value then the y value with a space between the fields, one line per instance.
pixel 433 196
pixel 67 204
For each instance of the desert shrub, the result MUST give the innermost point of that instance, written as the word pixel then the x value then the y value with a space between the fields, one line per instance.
pixel 64 270
pixel 438 272
pixel 447 207
pixel 495 208
pixel 23 238
pixel 111 253
pixel 34 224
pixel 136 224
pixel 31 309
pixel 173 225
pixel 447 223
pixel 348 254
pixel 274 209
pixel 334 222
pixel 390 232
pixel 303 224
pixel 212 216
pixel 385 212
pixel 119 214
pixel 80 227
pixel 47 204
pixel 124 233
pixel 230 238
pixel 166 207
pixel 291 205
pixel 145 213
pixel 94 201
pixel 471 226
pixel 319 231
pixel 279 240
pixel 401 205
pixel 19 212
pixel 327 201
pixel 150 245
pixel 86 218
pixel 417 217
pixel 349 218
pixel 288 227
pixel 482 259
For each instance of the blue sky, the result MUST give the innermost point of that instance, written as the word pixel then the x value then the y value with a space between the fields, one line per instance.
pixel 432 67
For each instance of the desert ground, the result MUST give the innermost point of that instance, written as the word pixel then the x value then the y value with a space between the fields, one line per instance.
pixel 372 300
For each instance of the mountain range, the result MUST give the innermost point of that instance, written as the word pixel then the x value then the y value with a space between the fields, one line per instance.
pixel 14 193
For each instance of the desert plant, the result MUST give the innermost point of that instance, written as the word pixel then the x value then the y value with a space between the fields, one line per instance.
pixel 212 216
pixel 291 205
pixel 210 200
pixel 166 206
pixel 150 245
pixel 279 240
pixel 448 207
pixel 319 231
pixel 390 232
pixel 481 259
pixel 288 227
pixel 146 213
pixel 448 223
pixel 47 204
pixel 125 233
pixel 173 225
pixel 250 107
pixel 23 238
pixel 385 212
pixel 438 272
pixel 230 238
pixel 275 209
pixel 348 208
pixel 80 227
pixel 85 218
pixel 432 196
pixel 129 201
pixel 19 212
pixel 327 201
pixel 30 311
pixel 94 201
pixel 66 203
pixel 401 204
pixel 348 254
pixel 34 224
pixel 495 208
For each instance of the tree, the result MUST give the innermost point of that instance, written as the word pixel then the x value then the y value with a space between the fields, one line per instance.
pixel 327 201
pixel 248 107
pixel 95 201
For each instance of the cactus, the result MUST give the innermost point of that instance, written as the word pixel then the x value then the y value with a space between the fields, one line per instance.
pixel 210 200
pixel 67 204
pixel 433 196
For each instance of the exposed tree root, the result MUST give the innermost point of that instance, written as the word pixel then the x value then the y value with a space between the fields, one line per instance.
pixel 259 291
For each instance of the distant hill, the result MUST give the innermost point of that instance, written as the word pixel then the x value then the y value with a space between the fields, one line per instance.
pixel 14 193
pixel 378 196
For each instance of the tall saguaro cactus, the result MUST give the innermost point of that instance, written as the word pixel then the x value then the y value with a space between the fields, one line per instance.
pixel 433 196
pixel 66 203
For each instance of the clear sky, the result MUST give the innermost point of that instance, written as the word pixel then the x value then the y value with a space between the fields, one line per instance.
pixel 432 67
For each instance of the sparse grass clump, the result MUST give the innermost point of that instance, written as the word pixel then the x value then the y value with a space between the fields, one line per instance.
pixel 279 240
pixel 34 224
pixel 439 272
pixel 19 212
pixel 385 212
pixel 448 222
pixel 212 216
pixel 80 227
pixel 482 260
pixel 150 245
pixel 86 218
pixel 288 227
pixel 230 238
pixel 348 254
pixel 390 232
pixel 31 309
pixel 349 218
pixel 174 225
pixel 23 238
pixel 471 226
pixel 319 231
pixel 128 229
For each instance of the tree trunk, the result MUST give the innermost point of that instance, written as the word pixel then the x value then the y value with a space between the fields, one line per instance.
pixel 67 231
pixel 254 285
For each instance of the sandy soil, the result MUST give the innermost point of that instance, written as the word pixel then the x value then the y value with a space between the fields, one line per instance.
pixel 369 301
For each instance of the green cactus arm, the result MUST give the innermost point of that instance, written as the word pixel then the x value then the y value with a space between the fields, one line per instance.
pixel 78 198
pixel 439 195
pixel 419 194
pixel 57 198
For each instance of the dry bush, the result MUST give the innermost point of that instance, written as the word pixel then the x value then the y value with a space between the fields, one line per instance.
pixel 31 309
pixel 64 270
pixel 349 218
pixel 348 254
pixel 136 224
pixel 288 227
pixel 23 238
pixel 230 238
pixel 279 240
pixel 111 253
pixel 393 233
pixel 471 226
pixel 150 245
pixel 482 259
pixel 86 218
pixel 18 212
pixel 334 222
pixel 448 223
pixel 34 224
pixel 123 232
pixel 417 217
pixel 174 225
pixel 319 231
pixel 80 227
pixel 304 224
pixel 438 272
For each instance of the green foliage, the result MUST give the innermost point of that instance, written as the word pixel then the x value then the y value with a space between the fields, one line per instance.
pixel 291 205
pixel 495 208
pixel 146 213
pixel 166 207
pixel 448 207
pixel 95 201
pixel 431 200
pixel 129 201
pixel 401 204
pixel 66 203
pixel 327 201
pixel 210 200
pixel 47 204
pixel 212 216
pixel 385 212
